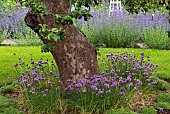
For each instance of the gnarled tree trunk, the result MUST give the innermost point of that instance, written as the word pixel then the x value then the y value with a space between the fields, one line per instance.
pixel 75 56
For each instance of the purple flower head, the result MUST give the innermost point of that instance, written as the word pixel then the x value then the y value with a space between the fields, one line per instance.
pixel 154 82
pixel 32 62
pixel 94 87
pixel 118 70
pixel 106 85
pixel 149 84
pixel 84 91
pixel 136 97
pixel 149 104
pixel 27 101
pixel 161 109
pixel 28 85
pixel 44 95
pixel 46 90
pixel 49 83
pixel 108 92
pixel 78 85
pixel 16 64
pixel 19 58
pixel 121 93
pixel 112 71
pixel 100 92
pixel 134 88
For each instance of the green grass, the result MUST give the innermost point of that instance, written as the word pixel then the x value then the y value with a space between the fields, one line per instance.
pixel 9 106
pixel 9 56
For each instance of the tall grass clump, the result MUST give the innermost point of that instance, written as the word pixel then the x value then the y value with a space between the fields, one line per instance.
pixel 123 78
pixel 122 29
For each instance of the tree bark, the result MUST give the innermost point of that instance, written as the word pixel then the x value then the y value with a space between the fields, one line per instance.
pixel 75 56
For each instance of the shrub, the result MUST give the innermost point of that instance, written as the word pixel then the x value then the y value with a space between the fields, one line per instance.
pixel 148 110
pixel 121 29
pixel 163 105
pixel 156 38
pixel 6 89
pixel 120 111
pixel 161 84
pixel 115 30
pixel 164 97
pixel 6 103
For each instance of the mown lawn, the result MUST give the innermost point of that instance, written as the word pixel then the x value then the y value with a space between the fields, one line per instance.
pixel 9 56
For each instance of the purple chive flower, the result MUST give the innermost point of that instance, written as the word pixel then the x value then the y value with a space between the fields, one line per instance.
pixel 108 91
pixel 49 83
pixel 32 62
pixel 149 84
pixel 84 91
pixel 27 101
pixel 94 87
pixel 112 71
pixel 19 58
pixel 16 64
pixel 46 90
pixel 100 92
pixel 121 93
pixel 106 85
pixel 28 85
pixel 136 97
pixel 154 82
pixel 149 104
pixel 156 65
pixel 161 109
pixel 148 80
pixel 140 93
pixel 134 88
pixel 44 95
pixel 118 70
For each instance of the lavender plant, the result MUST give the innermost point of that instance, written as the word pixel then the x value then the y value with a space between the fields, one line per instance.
pixel 12 21
pixel 121 29
pixel 154 29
